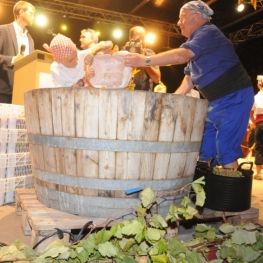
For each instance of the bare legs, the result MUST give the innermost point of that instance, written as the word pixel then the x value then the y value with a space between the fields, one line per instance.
pixel 258 176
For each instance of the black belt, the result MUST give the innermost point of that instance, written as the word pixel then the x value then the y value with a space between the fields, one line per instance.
pixel 236 78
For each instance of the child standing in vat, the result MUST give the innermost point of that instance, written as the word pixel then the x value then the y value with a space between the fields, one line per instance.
pixel 68 68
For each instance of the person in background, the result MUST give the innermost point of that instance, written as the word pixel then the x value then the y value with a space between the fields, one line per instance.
pixel 215 69
pixel 251 135
pixel 143 79
pixel 15 43
pixel 256 118
pixel 88 38
pixel 68 68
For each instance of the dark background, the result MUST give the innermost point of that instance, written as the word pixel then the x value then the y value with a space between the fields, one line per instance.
pixel 226 18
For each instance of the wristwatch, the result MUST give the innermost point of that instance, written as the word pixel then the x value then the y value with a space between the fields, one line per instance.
pixel 148 61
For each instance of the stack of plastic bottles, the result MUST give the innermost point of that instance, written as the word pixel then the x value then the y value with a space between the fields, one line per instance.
pixel 15 164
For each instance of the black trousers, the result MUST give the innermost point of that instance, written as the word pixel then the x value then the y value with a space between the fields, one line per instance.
pixel 259 144
pixel 251 138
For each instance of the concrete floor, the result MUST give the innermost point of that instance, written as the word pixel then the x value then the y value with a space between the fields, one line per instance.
pixel 10 223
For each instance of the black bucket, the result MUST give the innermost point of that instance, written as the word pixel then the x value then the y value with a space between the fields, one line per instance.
pixel 224 193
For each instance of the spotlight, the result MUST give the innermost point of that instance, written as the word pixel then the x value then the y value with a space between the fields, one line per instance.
pixel 240 7
pixel 150 38
pixel 41 20
pixel 117 33
pixel 64 27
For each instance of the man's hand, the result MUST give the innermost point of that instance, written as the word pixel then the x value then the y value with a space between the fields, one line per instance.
pixel 88 60
pixel 80 83
pixel 134 60
pixel 90 73
pixel 108 45
pixel 104 46
pixel 127 44
pixel 18 57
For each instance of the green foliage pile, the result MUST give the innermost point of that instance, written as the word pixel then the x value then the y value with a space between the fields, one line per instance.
pixel 236 244
pixel 142 239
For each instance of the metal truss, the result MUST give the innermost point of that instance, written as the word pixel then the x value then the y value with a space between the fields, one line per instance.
pixel 259 3
pixel 253 31
pixel 88 13
pixel 250 32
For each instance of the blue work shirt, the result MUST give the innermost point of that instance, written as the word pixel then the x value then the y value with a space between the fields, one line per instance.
pixel 214 55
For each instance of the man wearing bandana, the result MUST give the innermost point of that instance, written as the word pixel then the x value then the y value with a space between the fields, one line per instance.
pixel 214 69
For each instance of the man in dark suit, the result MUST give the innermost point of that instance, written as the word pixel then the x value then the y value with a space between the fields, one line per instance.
pixel 15 43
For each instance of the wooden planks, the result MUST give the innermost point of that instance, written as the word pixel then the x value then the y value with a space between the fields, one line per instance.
pixel 38 220
pixel 21 195
pixel 133 136
pixel 234 218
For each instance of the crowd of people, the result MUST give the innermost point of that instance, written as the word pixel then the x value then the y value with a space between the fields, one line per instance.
pixel 212 69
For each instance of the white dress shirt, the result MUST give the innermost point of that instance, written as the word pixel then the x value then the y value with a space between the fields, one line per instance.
pixel 22 38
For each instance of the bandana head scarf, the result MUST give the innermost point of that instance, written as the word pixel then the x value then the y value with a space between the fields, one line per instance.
pixel 201 7
pixel 60 46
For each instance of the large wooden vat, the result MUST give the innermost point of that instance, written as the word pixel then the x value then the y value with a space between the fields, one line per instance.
pixel 90 145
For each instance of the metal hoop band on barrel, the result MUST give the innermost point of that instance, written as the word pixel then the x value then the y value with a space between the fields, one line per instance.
pixel 75 194
pixel 114 145
pixel 108 184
